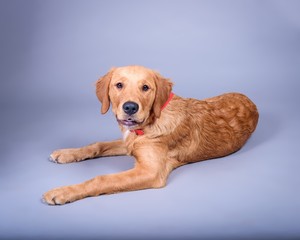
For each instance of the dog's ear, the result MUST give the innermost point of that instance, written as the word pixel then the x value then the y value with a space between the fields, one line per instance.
pixel 102 90
pixel 163 90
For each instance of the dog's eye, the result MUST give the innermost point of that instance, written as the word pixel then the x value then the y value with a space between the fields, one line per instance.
pixel 145 88
pixel 119 85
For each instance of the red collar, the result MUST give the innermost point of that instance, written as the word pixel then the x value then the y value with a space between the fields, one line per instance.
pixel 140 131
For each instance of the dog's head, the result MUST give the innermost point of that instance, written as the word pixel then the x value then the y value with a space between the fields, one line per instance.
pixel 136 94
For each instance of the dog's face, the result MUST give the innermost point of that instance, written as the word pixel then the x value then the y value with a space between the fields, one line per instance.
pixel 136 93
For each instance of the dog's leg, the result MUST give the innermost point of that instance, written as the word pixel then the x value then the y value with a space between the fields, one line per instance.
pixel 147 173
pixel 99 149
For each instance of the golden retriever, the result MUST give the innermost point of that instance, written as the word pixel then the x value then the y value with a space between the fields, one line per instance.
pixel 161 130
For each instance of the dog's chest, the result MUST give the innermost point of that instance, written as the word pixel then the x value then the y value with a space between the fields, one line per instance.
pixel 125 135
pixel 129 139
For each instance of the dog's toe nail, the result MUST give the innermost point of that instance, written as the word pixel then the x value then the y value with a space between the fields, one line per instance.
pixel 43 200
pixel 51 159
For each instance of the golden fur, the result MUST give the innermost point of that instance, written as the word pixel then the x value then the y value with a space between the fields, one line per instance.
pixel 185 131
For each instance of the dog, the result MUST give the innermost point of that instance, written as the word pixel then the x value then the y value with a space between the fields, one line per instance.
pixel 161 130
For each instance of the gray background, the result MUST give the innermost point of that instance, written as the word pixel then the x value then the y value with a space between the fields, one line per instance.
pixel 52 52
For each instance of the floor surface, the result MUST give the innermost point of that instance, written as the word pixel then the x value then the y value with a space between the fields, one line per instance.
pixel 52 54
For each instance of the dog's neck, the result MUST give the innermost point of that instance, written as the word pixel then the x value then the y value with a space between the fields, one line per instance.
pixel 140 131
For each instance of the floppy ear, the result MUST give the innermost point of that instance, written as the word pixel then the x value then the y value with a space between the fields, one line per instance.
pixel 102 88
pixel 163 90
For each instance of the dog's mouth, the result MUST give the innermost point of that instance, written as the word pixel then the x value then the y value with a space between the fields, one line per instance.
pixel 129 122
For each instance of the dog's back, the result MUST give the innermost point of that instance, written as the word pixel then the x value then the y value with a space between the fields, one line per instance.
pixel 212 127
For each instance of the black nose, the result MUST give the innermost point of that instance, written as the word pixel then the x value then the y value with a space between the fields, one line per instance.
pixel 130 108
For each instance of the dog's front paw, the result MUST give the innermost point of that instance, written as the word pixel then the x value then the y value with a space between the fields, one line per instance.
pixel 66 155
pixel 60 196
